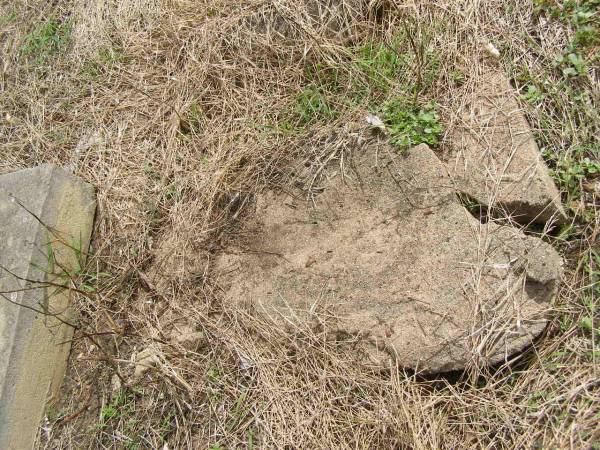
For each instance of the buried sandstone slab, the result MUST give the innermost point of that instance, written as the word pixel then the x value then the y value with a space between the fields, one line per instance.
pixel 389 255
pixel 46 218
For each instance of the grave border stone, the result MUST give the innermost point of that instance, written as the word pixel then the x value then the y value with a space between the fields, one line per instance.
pixel 46 220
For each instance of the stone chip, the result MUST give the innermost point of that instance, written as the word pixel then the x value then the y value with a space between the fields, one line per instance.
pixel 496 159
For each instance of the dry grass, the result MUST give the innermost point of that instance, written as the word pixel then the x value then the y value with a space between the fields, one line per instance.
pixel 178 111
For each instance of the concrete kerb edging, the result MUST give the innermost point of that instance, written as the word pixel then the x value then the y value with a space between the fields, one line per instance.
pixel 46 220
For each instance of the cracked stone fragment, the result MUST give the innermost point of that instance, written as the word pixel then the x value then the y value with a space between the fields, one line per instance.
pixel 496 159
pixel 388 254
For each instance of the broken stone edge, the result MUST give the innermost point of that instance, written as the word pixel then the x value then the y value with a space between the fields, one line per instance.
pixel 530 199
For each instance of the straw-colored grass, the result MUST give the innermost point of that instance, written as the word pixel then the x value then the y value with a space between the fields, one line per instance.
pixel 179 110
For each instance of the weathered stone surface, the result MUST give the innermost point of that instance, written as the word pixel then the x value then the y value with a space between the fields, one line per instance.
pixel 496 159
pixel 46 218
pixel 393 257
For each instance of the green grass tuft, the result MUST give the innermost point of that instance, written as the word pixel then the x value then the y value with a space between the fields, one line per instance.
pixel 313 105
pixel 47 40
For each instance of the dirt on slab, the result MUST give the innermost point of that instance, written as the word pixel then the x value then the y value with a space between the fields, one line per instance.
pixel 383 250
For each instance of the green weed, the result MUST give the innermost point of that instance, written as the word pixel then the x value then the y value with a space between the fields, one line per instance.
pixel 120 407
pixel 191 123
pixel 8 18
pixel 582 16
pixel 250 435
pixel 216 446
pixel 52 413
pixel 566 232
pixel 409 124
pixel 238 412
pixel 47 40
pixel 328 77
pixel 457 77
pixel 532 95
pixel 166 424
pixel 577 13
pixel 173 193
pixel 383 65
pixel 364 80
pixel 62 277
pixel 587 36
pixel 120 414
pixel 379 64
pixel 213 374
pixel 587 324
pixel 313 105
pixel 104 61
pixel 152 172
pixel 109 56
pixel 87 280
pixel 282 127
pixel 108 412
pixel 90 280
pixel 572 170
pixel 572 64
